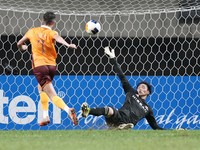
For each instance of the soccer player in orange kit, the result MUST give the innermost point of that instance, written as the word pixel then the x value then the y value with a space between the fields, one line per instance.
pixel 44 55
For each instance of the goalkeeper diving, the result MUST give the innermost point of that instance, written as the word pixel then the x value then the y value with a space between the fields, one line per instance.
pixel 134 108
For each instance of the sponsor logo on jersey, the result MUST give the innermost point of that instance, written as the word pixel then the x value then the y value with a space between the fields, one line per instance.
pixel 145 108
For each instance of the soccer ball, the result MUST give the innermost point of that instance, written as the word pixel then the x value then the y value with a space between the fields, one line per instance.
pixel 92 27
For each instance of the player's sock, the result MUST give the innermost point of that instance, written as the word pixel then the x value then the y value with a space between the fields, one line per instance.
pixel 60 104
pixel 45 113
pixel 44 100
pixel 97 111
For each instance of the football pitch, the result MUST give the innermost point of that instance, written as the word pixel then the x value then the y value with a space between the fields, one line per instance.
pixel 100 140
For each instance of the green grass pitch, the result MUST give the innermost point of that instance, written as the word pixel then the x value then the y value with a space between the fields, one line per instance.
pixel 100 140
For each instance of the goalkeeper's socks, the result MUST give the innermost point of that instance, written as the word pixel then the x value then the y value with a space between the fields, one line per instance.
pixel 97 111
pixel 60 104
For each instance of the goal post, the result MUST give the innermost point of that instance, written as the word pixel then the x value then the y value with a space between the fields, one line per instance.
pixel 156 42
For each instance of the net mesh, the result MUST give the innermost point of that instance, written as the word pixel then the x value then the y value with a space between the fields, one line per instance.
pixel 99 6
pixel 157 41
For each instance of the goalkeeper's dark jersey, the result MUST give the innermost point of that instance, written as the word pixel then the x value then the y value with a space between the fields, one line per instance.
pixel 134 108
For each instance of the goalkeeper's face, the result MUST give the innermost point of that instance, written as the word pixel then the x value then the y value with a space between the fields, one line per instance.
pixel 142 90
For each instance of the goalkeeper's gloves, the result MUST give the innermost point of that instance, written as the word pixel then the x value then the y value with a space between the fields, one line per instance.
pixel 111 53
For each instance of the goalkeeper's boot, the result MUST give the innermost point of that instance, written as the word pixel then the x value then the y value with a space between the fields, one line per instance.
pixel 73 116
pixel 125 126
pixel 44 122
pixel 85 109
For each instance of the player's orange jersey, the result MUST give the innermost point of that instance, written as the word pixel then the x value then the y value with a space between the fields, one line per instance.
pixel 43 46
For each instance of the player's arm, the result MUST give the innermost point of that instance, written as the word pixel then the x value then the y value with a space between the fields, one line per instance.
pixel 152 121
pixel 21 43
pixel 126 85
pixel 60 40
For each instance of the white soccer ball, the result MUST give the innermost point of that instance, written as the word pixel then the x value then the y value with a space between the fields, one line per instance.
pixel 92 27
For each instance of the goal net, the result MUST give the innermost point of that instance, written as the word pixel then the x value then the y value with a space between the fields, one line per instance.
pixel 155 40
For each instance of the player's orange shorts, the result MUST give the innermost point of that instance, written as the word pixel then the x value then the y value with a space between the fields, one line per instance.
pixel 44 74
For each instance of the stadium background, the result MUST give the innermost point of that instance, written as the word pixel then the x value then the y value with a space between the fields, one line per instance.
pixel 160 47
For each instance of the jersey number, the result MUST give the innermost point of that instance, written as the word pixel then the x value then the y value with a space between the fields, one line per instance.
pixel 41 40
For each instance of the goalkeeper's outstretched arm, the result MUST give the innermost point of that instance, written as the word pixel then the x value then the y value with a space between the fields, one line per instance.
pixel 126 85
pixel 152 122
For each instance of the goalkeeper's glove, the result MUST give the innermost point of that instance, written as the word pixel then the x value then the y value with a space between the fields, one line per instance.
pixel 111 53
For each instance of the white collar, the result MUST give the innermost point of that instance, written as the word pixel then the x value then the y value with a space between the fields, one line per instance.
pixel 44 26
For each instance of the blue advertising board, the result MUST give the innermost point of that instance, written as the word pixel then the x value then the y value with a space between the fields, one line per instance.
pixel 175 101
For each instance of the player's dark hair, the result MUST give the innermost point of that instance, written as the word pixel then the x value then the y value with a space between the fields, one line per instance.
pixel 147 84
pixel 49 17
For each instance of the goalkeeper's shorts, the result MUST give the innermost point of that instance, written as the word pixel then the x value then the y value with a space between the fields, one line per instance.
pixel 114 120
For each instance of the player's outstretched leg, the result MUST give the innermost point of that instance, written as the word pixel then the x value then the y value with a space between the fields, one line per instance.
pixel 49 89
pixel 61 104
